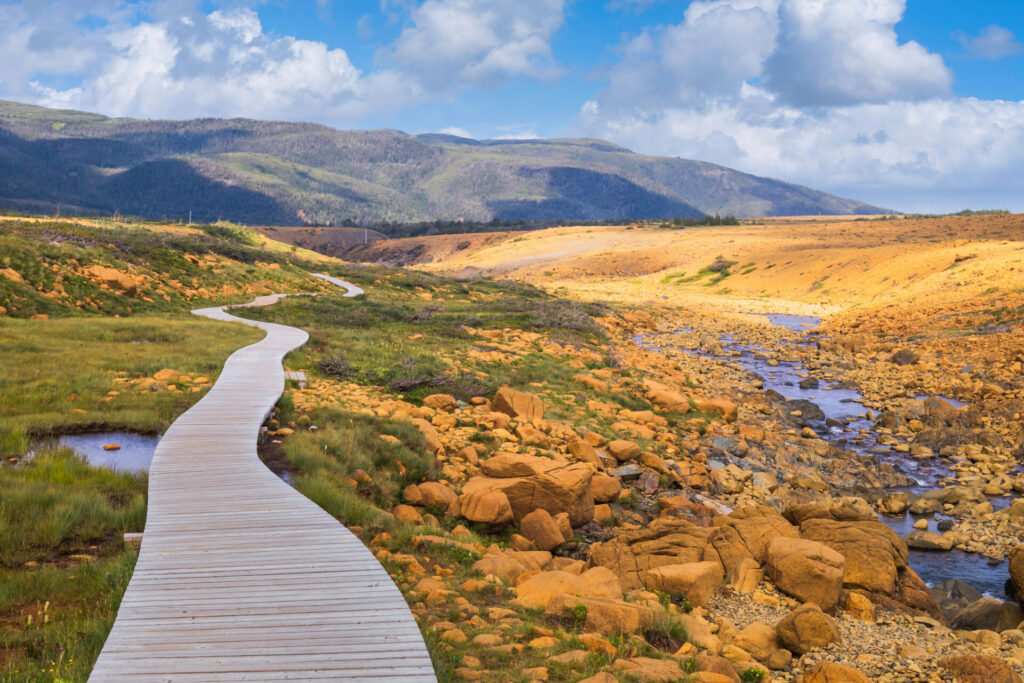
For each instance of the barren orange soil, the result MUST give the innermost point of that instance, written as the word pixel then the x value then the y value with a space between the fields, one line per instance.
pixel 818 267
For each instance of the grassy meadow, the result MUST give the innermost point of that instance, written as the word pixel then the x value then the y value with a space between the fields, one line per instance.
pixel 79 353
pixel 63 565
pixel 62 374
pixel 81 356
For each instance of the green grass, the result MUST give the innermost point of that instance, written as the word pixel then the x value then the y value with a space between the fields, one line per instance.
pixel 57 609
pixel 409 346
pixel 56 504
pixel 56 618
pixel 175 269
pixel 53 367
pixel 672 277
pixel 326 460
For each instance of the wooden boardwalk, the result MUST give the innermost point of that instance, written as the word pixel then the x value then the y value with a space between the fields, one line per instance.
pixel 240 577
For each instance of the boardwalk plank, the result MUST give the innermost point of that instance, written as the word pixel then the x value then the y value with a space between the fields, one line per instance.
pixel 241 578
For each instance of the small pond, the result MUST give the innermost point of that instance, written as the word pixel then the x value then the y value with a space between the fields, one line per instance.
pixel 134 455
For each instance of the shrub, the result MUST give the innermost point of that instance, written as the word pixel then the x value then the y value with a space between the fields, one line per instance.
pixel 338 366
pixel 752 675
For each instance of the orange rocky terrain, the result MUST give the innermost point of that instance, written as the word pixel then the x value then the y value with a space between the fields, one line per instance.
pixel 860 467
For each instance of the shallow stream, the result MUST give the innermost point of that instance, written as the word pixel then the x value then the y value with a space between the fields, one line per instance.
pixel 845 424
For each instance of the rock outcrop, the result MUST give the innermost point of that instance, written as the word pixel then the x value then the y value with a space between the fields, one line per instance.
pixel 807 570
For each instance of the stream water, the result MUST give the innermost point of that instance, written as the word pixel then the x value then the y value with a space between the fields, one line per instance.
pixel 846 425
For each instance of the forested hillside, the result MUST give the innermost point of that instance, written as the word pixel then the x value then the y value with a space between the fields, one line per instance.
pixel 280 173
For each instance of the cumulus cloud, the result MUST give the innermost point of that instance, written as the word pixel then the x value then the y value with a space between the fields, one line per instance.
pixel 169 59
pixel 816 91
pixel 453 43
pixel 994 42
pixel 846 52
pixel 805 52
pixel 179 62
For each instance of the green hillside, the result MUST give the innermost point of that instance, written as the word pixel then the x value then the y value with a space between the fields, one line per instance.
pixel 279 173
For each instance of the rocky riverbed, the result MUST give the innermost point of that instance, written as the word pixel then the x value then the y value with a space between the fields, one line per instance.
pixel 834 409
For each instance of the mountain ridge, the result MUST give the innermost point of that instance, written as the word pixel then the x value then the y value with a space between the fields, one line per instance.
pixel 287 173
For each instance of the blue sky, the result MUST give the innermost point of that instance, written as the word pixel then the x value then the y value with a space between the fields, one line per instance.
pixel 913 104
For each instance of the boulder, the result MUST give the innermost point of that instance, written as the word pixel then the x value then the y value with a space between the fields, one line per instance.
pixel 831 672
pixel 914 593
pixel 746 576
pixel 605 488
pixel 846 509
pixel 984 613
pixel 565 527
pixel 666 399
pixel 758 639
pixel 11 274
pixel 697 581
pixel 716 665
pixel 167 376
pixel 540 528
pixel 504 465
pixel 728 410
pixel 604 615
pixel 807 628
pixel 779 660
pixel 623 450
pixel 979 669
pixel 433 493
pixel 441 402
pixel 563 489
pixel 698 632
pixel 650 670
pixel 666 541
pixel 746 533
pixel 874 553
pixel 1017 569
pixel 904 357
pixel 928 540
pixel 540 589
pixel 120 282
pixel 407 513
pixel 601 677
pixel 859 606
pixel 584 452
pixel 501 566
pixel 531 436
pixel 807 570
pixel 730 479
pixel 519 404
pixel 486 506
pixel 953 595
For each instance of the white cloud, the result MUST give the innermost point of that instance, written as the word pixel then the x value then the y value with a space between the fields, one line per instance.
pixel 168 59
pixel 453 43
pixel 806 52
pixel 456 131
pixel 846 52
pixel 994 42
pixel 187 64
pixel 819 92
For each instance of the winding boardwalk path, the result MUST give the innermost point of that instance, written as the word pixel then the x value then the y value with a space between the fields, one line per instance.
pixel 240 577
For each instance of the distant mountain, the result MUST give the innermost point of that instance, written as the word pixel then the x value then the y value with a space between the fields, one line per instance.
pixel 278 173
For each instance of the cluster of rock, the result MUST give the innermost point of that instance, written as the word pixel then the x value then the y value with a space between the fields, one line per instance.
pixel 733 509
